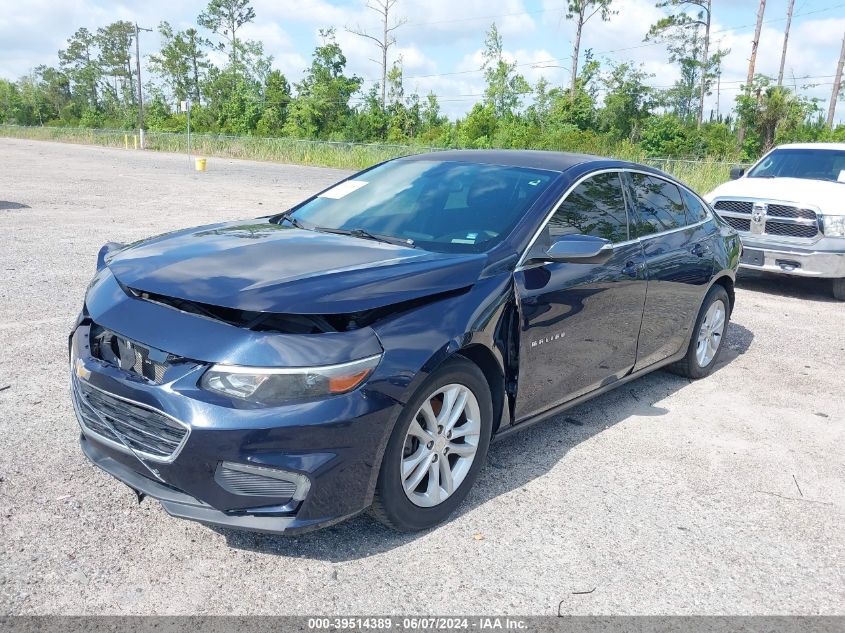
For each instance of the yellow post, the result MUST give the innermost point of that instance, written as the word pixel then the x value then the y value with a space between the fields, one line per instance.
pixel 136 141
pixel 125 141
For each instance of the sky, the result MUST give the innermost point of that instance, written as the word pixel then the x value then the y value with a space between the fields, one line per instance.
pixel 441 42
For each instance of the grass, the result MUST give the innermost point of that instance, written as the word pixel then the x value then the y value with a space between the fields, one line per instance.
pixel 702 176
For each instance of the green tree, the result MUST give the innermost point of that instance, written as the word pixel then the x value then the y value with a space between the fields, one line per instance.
pixel 182 62
pixel 479 127
pixel 505 87
pixel 627 102
pixel 226 18
pixel 580 110
pixel 79 62
pixel 686 34
pixel 276 101
pixel 321 108
pixel 431 119
pixel 115 61
pixel 56 88
pixel 770 114
pixel 582 11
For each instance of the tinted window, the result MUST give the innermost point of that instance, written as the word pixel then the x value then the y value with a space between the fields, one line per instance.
pixel 696 212
pixel 595 207
pixel 445 206
pixel 659 203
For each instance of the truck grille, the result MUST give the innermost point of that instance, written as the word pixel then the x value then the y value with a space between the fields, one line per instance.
pixel 737 206
pixel 761 218
pixel 791 230
pixel 740 224
pixel 134 426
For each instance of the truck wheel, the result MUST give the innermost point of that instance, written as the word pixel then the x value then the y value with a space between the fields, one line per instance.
pixel 839 289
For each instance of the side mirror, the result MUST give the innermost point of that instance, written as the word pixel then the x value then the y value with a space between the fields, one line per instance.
pixel 737 172
pixel 580 248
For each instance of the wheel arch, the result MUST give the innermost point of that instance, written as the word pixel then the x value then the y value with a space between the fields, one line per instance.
pixel 486 361
pixel 728 284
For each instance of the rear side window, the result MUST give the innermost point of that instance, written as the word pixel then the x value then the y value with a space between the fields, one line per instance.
pixel 595 207
pixel 659 204
pixel 696 212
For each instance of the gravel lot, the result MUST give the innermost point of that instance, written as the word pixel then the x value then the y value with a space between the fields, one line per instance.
pixel 720 496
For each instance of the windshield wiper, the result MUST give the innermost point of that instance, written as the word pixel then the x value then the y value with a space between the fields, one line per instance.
pixel 287 216
pixel 365 234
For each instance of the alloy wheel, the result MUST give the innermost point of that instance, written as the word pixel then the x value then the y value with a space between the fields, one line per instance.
pixel 440 445
pixel 710 333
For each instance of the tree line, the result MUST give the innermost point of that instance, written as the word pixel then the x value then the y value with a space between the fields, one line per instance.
pixel 607 106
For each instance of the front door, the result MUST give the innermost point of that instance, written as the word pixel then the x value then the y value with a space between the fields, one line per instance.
pixel 579 321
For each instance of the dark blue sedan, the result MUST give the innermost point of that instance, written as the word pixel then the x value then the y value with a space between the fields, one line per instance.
pixel 362 349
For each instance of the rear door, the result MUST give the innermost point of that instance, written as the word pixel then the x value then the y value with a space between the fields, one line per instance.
pixel 679 263
pixel 580 321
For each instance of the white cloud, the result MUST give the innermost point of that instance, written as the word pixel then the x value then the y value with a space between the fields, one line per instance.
pixel 441 42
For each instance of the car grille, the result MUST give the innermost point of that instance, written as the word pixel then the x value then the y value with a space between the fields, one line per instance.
pixel 778 219
pixel 136 427
pixel 131 356
pixel 252 484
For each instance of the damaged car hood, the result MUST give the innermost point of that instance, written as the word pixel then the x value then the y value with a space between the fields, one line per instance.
pixel 265 267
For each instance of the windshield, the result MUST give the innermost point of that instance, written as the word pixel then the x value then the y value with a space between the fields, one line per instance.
pixel 811 164
pixel 443 206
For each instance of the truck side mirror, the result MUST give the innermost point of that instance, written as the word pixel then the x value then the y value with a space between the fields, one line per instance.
pixel 737 172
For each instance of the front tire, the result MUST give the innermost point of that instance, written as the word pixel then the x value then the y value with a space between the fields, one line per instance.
pixel 838 289
pixel 708 336
pixel 436 450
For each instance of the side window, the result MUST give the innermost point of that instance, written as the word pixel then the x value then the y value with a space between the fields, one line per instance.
pixel 696 212
pixel 659 203
pixel 595 207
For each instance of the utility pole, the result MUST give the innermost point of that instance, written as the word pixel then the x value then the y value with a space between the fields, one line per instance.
pixel 718 96
pixel 837 84
pixel 752 62
pixel 785 41
pixel 708 10
pixel 140 94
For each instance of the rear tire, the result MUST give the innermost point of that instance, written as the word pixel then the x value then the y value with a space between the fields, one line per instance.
pixel 426 471
pixel 707 339
pixel 838 289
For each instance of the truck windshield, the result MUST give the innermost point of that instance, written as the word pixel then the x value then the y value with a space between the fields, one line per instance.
pixel 442 206
pixel 811 164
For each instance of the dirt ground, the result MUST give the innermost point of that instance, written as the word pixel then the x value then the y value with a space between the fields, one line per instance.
pixel 722 496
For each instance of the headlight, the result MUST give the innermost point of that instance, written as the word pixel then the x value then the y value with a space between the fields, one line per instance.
pixel 834 225
pixel 275 385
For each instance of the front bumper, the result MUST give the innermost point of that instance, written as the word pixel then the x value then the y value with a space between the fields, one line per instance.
pixel 824 259
pixel 335 443
pixel 177 503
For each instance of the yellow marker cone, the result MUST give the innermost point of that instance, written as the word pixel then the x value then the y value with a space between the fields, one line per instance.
pixel 199 164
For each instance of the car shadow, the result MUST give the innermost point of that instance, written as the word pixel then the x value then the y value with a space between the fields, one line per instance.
pixel 807 288
pixel 505 470
pixel 5 205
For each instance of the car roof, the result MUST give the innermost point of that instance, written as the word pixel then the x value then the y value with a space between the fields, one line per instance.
pixel 529 158
pixel 823 146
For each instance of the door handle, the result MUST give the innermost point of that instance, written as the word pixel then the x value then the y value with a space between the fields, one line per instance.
pixel 632 268
pixel 699 250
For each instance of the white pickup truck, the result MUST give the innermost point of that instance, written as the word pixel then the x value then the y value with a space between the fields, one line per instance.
pixel 789 210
